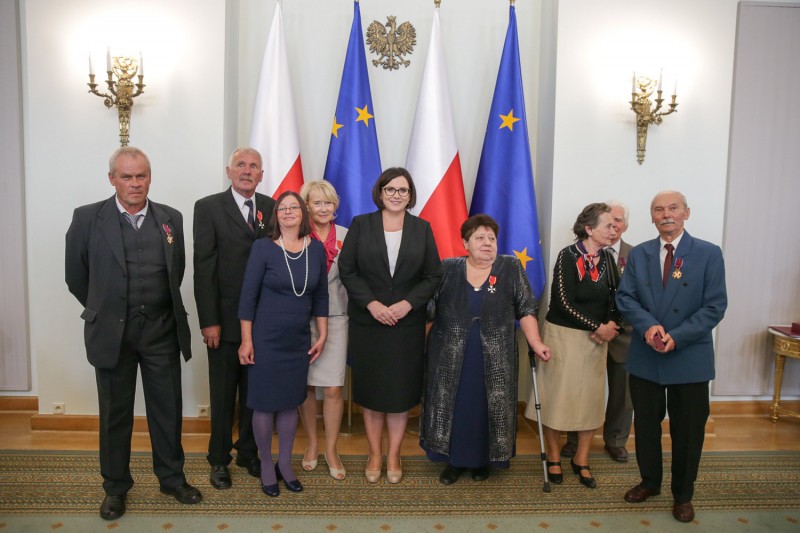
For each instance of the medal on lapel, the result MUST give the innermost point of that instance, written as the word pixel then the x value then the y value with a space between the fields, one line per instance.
pixel 622 262
pixel 168 231
pixel 260 218
pixel 492 281
pixel 677 274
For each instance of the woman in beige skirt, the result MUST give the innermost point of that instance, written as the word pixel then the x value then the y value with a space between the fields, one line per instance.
pixel 577 328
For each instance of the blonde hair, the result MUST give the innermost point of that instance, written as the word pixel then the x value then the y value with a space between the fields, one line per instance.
pixel 321 187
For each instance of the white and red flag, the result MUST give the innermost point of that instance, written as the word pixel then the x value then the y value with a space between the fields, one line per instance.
pixel 273 131
pixel 433 154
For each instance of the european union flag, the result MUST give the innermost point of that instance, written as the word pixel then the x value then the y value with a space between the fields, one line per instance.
pixel 504 186
pixel 354 162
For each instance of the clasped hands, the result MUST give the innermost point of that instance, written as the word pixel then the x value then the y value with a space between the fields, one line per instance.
pixel 389 315
pixel 606 332
pixel 667 340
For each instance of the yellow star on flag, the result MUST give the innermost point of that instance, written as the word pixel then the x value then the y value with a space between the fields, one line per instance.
pixel 335 129
pixel 364 116
pixel 523 255
pixel 509 120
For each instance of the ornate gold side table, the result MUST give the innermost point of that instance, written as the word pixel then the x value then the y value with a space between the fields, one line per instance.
pixel 784 346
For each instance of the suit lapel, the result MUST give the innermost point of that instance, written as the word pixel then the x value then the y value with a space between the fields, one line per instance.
pixel 108 222
pixel 376 221
pixel 654 270
pixel 167 230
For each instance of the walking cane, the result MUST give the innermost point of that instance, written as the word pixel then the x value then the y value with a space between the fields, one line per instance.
pixel 532 357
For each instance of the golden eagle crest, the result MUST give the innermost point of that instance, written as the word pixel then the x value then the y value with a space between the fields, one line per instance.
pixel 391 44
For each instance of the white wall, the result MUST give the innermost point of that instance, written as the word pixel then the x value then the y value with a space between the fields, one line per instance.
pixel 69 135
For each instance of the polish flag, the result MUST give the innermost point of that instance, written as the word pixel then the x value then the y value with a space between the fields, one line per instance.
pixel 273 131
pixel 433 154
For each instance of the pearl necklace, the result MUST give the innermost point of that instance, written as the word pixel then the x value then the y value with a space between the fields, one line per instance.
pixel 286 258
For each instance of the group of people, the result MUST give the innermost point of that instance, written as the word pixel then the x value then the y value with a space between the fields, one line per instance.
pixel 286 299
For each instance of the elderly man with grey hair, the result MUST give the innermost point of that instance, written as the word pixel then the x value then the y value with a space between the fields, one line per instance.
pixel 619 410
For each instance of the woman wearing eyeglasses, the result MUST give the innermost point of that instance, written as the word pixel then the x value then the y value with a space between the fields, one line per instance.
pixel 285 284
pixel 390 267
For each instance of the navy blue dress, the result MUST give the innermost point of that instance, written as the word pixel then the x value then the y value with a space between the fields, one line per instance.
pixel 469 437
pixel 281 332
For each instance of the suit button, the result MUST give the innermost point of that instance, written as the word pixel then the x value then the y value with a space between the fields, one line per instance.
pixel 674 310
pixel 121 320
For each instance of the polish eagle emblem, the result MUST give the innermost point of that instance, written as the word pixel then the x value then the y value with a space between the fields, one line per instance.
pixel 390 42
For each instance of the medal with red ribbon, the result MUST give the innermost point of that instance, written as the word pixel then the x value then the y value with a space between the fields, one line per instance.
pixel 622 262
pixel 168 231
pixel 677 274
pixel 260 218
pixel 492 281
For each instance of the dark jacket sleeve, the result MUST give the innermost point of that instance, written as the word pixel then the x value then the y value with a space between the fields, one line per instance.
pixel 76 259
pixel 206 286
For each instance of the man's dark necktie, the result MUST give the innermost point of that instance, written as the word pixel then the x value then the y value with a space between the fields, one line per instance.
pixel 667 262
pixel 251 221
pixel 133 220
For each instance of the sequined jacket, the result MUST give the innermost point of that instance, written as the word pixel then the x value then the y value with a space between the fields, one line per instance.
pixel 449 310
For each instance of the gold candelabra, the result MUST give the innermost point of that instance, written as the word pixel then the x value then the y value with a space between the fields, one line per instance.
pixel 121 92
pixel 641 104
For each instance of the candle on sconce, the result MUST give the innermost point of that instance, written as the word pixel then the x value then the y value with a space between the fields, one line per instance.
pixel 91 66
pixel 633 83
pixel 660 78
pixel 108 59
pixel 675 88
pixel 141 64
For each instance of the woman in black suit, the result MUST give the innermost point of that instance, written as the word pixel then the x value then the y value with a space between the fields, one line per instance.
pixel 390 267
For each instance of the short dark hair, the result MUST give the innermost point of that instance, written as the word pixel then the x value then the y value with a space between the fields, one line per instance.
pixel 590 216
pixel 477 221
pixel 274 229
pixel 388 175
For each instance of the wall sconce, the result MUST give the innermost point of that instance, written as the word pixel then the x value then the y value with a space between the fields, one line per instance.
pixel 641 90
pixel 121 89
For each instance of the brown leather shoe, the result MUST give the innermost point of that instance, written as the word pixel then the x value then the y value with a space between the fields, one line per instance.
pixel 640 493
pixel 683 512
pixel 620 454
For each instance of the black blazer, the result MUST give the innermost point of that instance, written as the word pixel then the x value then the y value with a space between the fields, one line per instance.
pixel 96 274
pixel 222 243
pixel 364 268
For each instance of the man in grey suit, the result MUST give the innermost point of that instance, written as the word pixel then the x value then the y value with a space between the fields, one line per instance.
pixel 225 226
pixel 619 410
pixel 673 293
pixel 124 263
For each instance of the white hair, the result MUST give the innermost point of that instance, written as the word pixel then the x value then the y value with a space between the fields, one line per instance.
pixel 617 203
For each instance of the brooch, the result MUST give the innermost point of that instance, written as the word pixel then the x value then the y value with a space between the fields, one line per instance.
pixel 677 274
pixel 260 218
pixel 168 231
pixel 492 281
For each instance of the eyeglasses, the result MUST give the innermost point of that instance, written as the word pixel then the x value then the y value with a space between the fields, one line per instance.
pixel 285 209
pixel 402 191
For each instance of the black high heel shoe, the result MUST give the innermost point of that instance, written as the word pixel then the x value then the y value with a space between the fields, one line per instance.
pixel 271 490
pixel 558 479
pixel 294 486
pixel 585 481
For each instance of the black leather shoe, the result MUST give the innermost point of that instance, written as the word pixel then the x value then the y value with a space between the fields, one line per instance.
pixel 220 477
pixel 585 481
pixel 569 449
pixel 112 507
pixel 271 490
pixel 253 466
pixel 558 479
pixel 619 454
pixel 450 474
pixel 294 486
pixel 480 474
pixel 184 493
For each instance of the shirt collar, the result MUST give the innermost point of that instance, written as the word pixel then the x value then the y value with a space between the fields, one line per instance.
pixel 142 212
pixel 675 242
pixel 241 199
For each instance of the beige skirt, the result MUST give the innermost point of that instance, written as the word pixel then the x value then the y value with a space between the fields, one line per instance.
pixel 329 368
pixel 572 385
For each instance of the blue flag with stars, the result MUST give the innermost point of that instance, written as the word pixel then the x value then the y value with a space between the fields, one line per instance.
pixel 354 162
pixel 504 185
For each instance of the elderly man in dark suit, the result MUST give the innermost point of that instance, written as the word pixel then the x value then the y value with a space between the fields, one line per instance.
pixel 124 263
pixel 673 293
pixel 619 409
pixel 225 226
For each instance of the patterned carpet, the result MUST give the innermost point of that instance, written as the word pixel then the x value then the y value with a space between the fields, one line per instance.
pixel 39 483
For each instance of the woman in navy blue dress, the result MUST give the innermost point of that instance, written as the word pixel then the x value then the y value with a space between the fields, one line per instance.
pixel 285 284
